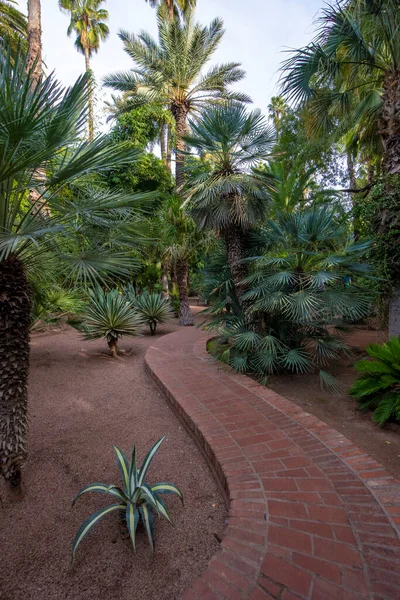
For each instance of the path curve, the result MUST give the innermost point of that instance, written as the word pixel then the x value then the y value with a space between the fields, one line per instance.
pixel 311 516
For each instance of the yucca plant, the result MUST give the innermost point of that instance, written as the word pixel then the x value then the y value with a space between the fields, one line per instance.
pixel 137 500
pixel 109 315
pixel 153 309
pixel 378 388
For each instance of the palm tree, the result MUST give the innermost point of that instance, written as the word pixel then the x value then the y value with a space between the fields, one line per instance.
pixel 173 7
pixel 277 110
pixel 352 70
pixel 35 39
pixel 41 148
pixel 170 72
pixel 13 24
pixel 88 22
pixel 235 195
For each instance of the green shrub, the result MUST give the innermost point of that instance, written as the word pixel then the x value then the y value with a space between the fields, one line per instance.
pixel 109 315
pixel 137 500
pixel 51 304
pixel 153 309
pixel 378 388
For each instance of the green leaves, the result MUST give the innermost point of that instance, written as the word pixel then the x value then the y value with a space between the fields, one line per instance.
pixel 379 385
pixel 138 501
pixel 153 309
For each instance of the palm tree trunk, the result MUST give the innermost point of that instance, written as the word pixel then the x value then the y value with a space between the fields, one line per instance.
pixel 34 39
pixel 163 144
pixel 353 185
pixel 185 314
pixel 179 113
pixel 235 247
pixel 15 307
pixel 164 281
pixel 91 112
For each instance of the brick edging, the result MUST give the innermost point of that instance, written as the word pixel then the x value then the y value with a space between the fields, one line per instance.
pixel 329 541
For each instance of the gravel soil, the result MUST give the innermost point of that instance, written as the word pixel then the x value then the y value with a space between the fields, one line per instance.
pixel 81 403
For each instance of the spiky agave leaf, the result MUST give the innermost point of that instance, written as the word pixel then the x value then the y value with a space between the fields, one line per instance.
pixel 88 525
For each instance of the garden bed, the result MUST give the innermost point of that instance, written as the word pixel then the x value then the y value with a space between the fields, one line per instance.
pixel 81 403
pixel 342 412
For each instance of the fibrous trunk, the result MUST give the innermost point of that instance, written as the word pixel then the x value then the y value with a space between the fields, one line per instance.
pixel 179 113
pixel 234 237
pixel 15 307
pixel 163 143
pixel 113 345
pixel 185 314
pixel 353 184
pixel 91 112
pixel 164 281
pixel 34 58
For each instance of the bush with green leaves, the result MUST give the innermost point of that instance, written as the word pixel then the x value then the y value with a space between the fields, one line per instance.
pixel 153 309
pixel 378 388
pixel 137 500
pixel 302 294
pixel 109 315
pixel 52 304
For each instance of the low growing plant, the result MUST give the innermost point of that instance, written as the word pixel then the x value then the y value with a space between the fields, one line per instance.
pixel 109 315
pixel 378 388
pixel 137 500
pixel 153 309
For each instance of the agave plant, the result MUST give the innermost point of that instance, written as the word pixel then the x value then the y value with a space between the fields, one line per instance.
pixel 137 500
pixel 378 388
pixel 153 309
pixel 111 316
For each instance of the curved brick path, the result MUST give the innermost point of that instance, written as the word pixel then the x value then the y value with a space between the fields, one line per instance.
pixel 311 515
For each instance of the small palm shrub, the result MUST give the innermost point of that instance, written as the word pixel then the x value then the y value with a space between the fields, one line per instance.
pixel 137 500
pixel 299 300
pixel 109 315
pixel 52 303
pixel 378 388
pixel 153 309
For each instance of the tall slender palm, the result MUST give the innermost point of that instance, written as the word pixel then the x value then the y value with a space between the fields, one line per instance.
pixel 13 24
pixel 40 148
pixel 173 7
pixel 35 39
pixel 170 72
pixel 235 195
pixel 88 22
pixel 277 110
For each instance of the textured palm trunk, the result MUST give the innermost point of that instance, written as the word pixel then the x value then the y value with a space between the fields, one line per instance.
pixel 113 345
pixel 185 314
pixel 235 247
pixel 164 281
pixel 15 307
pixel 91 111
pixel 34 39
pixel 353 185
pixel 390 133
pixel 179 113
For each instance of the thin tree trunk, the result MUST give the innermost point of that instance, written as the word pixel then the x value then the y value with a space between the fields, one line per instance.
pixel 91 111
pixel 164 281
pixel 235 247
pixel 169 148
pixel 163 144
pixel 179 113
pixel 34 58
pixel 185 314
pixel 353 185
pixel 15 307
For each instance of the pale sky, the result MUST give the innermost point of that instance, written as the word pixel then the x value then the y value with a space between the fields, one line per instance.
pixel 257 32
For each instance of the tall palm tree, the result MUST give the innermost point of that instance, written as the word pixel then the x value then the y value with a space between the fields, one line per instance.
pixel 170 72
pixel 35 39
pixel 13 24
pixel 41 148
pixel 173 7
pixel 277 110
pixel 88 22
pixel 235 195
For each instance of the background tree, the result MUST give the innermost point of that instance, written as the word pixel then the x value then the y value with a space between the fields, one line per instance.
pixel 173 7
pixel 169 72
pixel 41 134
pixel 234 196
pixel 13 24
pixel 88 22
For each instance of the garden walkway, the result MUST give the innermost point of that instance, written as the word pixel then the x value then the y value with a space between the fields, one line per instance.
pixel 311 515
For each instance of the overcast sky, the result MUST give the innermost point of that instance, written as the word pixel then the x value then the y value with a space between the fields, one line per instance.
pixel 257 33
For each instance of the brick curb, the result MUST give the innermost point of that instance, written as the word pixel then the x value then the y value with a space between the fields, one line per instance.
pixel 311 517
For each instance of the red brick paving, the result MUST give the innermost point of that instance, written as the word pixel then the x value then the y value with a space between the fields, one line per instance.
pixel 312 517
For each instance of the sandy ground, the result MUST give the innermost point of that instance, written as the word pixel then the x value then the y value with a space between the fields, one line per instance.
pixel 81 403
pixel 342 412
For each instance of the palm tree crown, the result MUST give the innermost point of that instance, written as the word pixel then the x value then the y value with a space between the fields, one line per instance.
pixel 170 71
pixel 13 24
pixel 173 7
